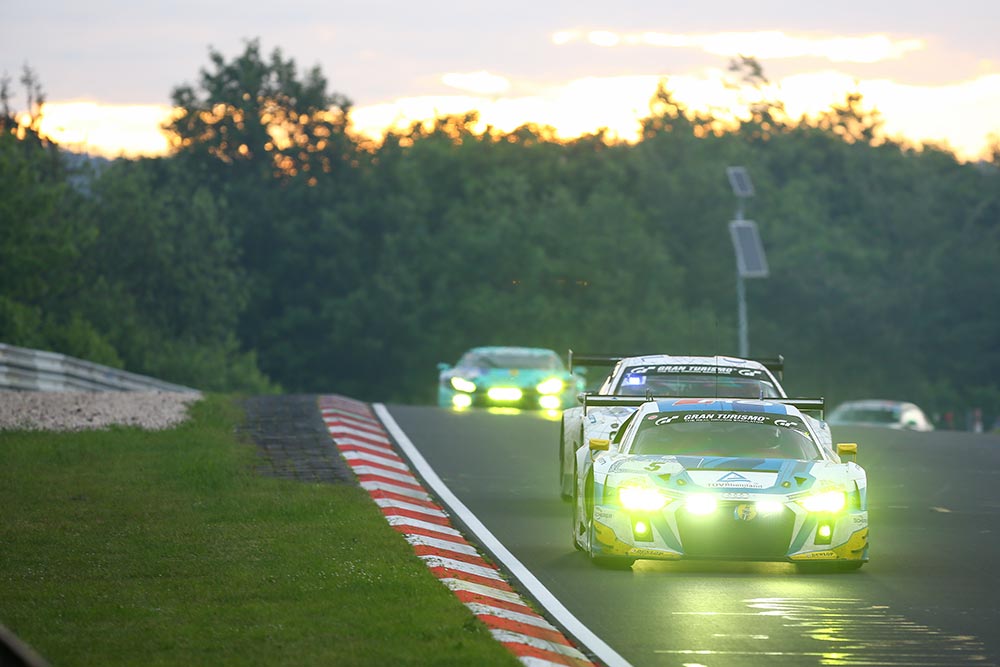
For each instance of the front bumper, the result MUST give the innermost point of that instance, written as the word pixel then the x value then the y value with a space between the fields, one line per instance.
pixel 732 532
pixel 529 399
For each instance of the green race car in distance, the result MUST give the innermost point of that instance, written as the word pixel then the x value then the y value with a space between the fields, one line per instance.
pixel 528 378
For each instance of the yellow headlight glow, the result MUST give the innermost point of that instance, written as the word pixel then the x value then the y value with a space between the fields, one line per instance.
pixel 701 503
pixel 641 498
pixel 461 384
pixel 551 386
pixel 769 506
pixel 828 501
pixel 549 402
pixel 461 400
pixel 504 394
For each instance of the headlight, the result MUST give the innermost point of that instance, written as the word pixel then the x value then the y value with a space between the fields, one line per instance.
pixel 551 386
pixel 641 498
pixel 504 394
pixel 461 384
pixel 701 503
pixel 828 501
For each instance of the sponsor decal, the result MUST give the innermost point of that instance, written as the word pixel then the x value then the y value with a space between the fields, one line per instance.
pixel 735 479
pixel 730 495
pixel 683 369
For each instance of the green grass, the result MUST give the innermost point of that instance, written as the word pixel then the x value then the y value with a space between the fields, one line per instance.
pixel 127 547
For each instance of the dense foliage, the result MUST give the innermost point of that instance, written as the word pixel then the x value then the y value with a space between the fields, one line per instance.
pixel 274 239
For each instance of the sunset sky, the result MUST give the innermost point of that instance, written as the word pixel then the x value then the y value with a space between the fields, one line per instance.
pixel 108 66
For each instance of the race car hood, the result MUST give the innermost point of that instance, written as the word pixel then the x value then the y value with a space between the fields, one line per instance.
pixel 713 473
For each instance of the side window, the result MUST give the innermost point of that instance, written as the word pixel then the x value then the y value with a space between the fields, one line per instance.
pixel 620 433
pixel 606 388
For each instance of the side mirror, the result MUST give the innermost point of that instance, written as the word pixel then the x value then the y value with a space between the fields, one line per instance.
pixel 847 450
pixel 599 444
pixel 443 366
pixel 579 370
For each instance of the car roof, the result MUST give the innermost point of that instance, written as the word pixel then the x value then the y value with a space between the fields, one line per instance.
pixel 487 349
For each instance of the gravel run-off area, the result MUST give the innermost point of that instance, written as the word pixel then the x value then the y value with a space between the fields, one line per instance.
pixel 77 411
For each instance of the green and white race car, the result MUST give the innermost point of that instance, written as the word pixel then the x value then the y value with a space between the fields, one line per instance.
pixel 711 478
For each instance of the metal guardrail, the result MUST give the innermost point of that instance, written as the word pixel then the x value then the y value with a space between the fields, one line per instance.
pixel 23 369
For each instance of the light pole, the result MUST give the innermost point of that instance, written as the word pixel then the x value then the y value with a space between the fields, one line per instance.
pixel 751 262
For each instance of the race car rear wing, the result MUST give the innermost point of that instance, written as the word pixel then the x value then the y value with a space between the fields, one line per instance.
pixel 774 364
pixel 573 360
pixel 813 406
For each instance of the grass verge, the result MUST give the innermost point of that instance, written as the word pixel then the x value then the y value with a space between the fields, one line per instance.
pixel 129 547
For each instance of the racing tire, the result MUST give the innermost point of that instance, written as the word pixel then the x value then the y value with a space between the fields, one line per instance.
pixel 566 484
pixel 603 562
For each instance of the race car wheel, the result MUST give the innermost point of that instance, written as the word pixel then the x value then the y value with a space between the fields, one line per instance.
pixel 605 562
pixel 566 483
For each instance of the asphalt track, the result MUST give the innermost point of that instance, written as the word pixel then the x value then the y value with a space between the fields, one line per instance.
pixel 929 597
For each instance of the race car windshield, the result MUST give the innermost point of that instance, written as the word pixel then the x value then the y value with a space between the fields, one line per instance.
pixel 725 434
pixel 513 359
pixel 696 386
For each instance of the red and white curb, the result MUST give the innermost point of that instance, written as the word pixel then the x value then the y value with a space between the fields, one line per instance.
pixel 363 441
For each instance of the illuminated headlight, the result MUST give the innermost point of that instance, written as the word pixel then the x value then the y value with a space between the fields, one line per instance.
pixel 701 503
pixel 769 506
pixel 641 498
pixel 551 386
pixel 461 384
pixel 828 501
pixel 504 394
pixel 461 400
pixel 549 402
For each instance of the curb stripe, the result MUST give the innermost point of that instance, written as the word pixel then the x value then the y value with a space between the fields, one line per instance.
pixel 417 523
pixel 498 622
pixel 508 637
pixel 460 585
pixel 366 474
pixel 495 580
pixel 352 426
pixel 364 436
pixel 357 442
pixel 487 571
pixel 394 489
pixel 395 511
pixel 475 559
pixel 369 450
pixel 399 504
pixel 379 494
pixel 469 597
pixel 332 412
pixel 414 530
pixel 361 438
pixel 356 459
pixel 444 545
pixel 513 616
pixel 541 657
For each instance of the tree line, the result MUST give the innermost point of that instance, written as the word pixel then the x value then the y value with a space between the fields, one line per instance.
pixel 275 250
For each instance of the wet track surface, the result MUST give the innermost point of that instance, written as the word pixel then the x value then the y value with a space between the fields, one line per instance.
pixel 929 596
